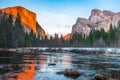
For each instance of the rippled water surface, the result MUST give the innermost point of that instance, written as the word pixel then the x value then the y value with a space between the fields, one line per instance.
pixel 37 66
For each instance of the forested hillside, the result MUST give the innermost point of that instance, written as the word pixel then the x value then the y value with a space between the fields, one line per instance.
pixel 13 35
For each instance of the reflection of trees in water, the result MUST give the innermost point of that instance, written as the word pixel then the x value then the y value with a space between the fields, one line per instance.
pixel 27 68
pixel 115 74
pixel 9 62
pixel 10 58
pixel 6 57
pixel 24 65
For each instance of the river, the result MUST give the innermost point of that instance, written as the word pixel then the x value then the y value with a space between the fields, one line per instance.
pixel 28 66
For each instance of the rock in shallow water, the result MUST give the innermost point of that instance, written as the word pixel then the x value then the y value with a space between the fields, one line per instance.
pixel 59 73
pixel 51 64
pixel 72 73
pixel 99 77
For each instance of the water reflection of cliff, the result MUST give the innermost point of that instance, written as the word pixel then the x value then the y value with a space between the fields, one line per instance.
pixel 26 72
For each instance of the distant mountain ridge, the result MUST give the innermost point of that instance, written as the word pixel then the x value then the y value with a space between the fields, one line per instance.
pixel 27 17
pixel 97 20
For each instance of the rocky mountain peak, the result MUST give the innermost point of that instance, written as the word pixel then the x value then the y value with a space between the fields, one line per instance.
pixel 103 19
pixel 82 26
pixel 108 13
pixel 25 15
pixel 97 20
pixel 83 21
pixel 27 18
pixel 96 12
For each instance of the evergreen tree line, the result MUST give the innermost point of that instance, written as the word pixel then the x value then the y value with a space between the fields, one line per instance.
pixel 96 38
pixel 50 41
pixel 12 34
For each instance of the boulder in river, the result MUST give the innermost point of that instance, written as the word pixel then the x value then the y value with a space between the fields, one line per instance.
pixel 72 73
pixel 99 77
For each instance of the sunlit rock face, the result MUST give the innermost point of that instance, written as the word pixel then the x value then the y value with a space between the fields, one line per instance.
pixel 27 18
pixel 67 37
pixel 97 20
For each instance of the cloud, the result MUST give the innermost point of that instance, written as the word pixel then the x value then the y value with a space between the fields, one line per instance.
pixel 61 21
pixel 54 22
pixel 67 26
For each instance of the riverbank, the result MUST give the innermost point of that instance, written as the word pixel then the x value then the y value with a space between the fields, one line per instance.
pixel 8 49
pixel 18 50
pixel 79 50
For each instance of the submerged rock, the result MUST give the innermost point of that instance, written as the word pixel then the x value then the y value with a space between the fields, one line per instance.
pixel 72 73
pixel 99 77
pixel 51 64
pixel 59 73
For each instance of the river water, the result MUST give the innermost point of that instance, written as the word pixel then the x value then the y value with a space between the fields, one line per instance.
pixel 48 65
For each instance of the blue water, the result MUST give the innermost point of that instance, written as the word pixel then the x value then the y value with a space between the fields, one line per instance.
pixel 36 67
pixel 87 64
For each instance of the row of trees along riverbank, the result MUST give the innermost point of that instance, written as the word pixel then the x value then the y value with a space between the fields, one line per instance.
pixel 97 38
pixel 13 35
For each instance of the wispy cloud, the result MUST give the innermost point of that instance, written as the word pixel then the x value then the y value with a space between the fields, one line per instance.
pixel 62 20
pixel 54 22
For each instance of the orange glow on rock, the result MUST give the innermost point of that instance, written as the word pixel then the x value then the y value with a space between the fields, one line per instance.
pixel 26 16
pixel 67 37
pixel 27 73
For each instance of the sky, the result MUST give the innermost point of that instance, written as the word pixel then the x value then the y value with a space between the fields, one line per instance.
pixel 58 16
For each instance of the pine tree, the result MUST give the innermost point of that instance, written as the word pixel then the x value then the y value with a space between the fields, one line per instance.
pixel 118 33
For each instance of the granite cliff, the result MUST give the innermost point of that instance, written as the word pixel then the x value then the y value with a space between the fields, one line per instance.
pixel 27 18
pixel 97 20
pixel 82 26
